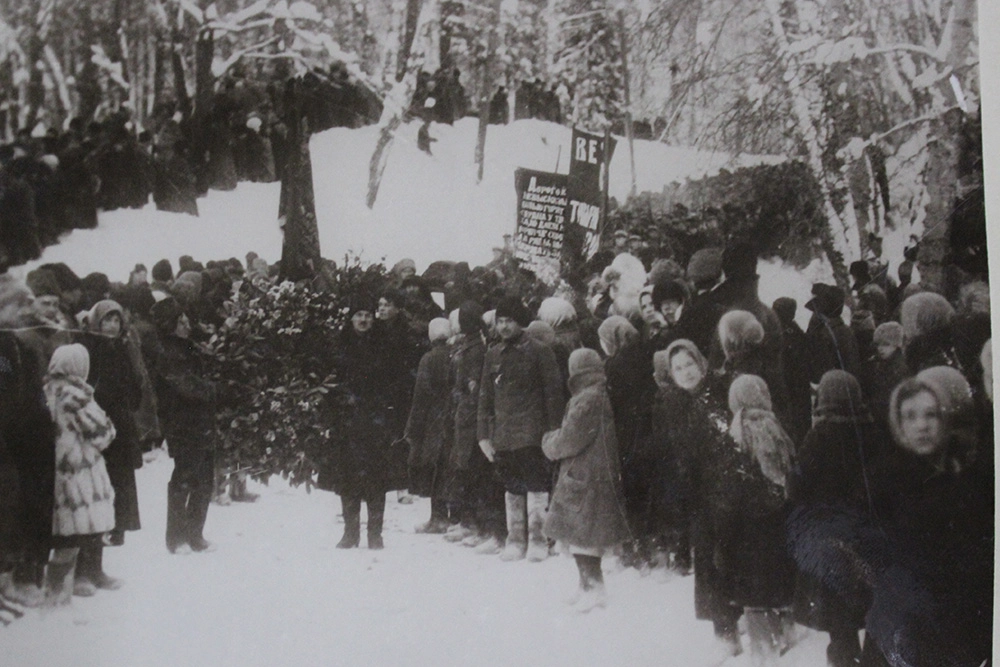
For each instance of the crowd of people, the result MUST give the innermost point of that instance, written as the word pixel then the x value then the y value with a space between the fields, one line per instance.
pixel 53 181
pixel 839 476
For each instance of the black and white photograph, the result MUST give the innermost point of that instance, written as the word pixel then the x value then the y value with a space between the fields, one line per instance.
pixel 497 332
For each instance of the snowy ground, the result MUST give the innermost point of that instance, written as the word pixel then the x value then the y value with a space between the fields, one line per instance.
pixel 277 592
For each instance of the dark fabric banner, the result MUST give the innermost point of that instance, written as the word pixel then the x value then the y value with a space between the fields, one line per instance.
pixel 586 165
pixel 542 209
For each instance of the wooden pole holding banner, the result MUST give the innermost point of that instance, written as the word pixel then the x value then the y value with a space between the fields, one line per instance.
pixel 628 101
pixel 605 186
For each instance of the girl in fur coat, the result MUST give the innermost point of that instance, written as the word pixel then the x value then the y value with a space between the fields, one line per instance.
pixel 84 498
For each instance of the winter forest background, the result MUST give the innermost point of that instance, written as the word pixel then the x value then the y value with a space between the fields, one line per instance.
pixel 877 100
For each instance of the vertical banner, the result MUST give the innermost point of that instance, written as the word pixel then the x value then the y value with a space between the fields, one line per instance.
pixel 585 187
pixel 542 208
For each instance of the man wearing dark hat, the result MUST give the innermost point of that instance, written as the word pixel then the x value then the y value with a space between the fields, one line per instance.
pixel 831 343
pixel 186 407
pixel 520 399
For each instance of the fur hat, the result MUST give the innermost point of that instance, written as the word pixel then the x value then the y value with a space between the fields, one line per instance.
pixel 96 283
pixel 187 287
pixel 739 331
pixel 162 271
pixel 470 317
pixel 889 333
pixel 784 307
pixel 542 332
pixel 360 302
pixel 615 333
pixel 187 263
pixel 101 310
pixel 42 282
pixel 584 360
pixel 828 300
pixel 165 314
pixel 739 261
pixel 405 263
pixel 512 307
pixel 65 277
pixel 70 360
pixel 923 313
pixel 672 290
pixel 839 398
pixel 556 312
pixel 438 329
pixel 749 392
pixel 705 266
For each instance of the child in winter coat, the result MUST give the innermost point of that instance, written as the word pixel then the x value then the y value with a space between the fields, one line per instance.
pixel 762 571
pixel 883 371
pixel 587 513
pixel 84 498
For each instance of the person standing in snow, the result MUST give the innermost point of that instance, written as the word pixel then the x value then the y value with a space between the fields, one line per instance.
pixel 587 515
pixel 520 399
pixel 358 471
pixel 84 498
pixel 707 465
pixel 427 429
pixel 763 573
pixel 186 403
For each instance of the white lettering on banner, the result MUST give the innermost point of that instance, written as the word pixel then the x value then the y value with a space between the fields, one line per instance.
pixel 586 150
pixel 584 214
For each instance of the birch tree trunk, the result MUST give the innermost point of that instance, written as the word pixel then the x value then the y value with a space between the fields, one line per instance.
pixel 397 101
pixel 486 90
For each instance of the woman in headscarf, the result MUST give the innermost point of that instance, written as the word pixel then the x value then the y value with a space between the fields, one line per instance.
pixel 763 573
pixel 117 390
pixel 831 491
pixel 707 467
pixel 932 596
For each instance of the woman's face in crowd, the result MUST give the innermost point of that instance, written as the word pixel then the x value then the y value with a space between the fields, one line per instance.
pixel 387 310
pixel 921 424
pixel 646 308
pixel 362 321
pixel 685 371
pixel 111 325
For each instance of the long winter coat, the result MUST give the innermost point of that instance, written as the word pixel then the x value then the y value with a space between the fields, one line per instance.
pixel 360 448
pixel 708 469
pixel 27 451
pixel 467 371
pixel 428 428
pixel 118 392
pixel 186 398
pixel 520 395
pixel 831 493
pixel 84 497
pixel 587 508
pixel 932 595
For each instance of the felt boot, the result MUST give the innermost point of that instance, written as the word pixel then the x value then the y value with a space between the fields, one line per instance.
pixel 517 527
pixel 352 522
pixel 376 515
pixel 538 545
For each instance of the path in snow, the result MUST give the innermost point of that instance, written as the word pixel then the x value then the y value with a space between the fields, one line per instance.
pixel 277 592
